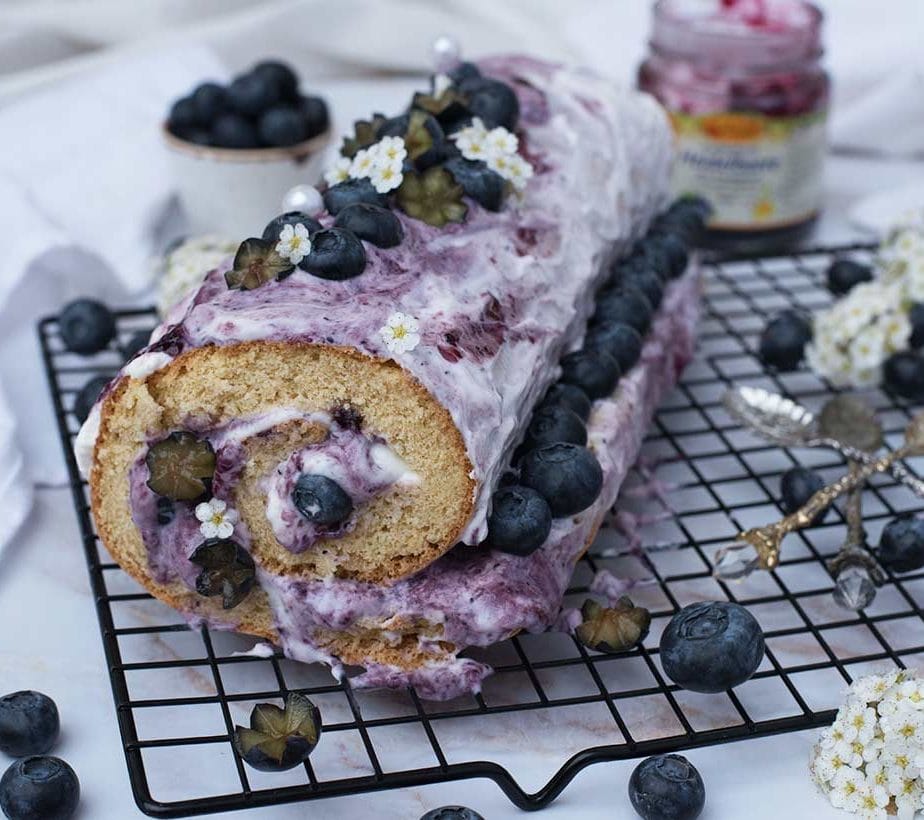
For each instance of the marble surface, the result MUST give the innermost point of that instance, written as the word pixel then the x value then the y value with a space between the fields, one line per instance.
pixel 50 641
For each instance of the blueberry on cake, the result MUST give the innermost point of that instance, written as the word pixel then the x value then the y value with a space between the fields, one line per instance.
pixel 385 432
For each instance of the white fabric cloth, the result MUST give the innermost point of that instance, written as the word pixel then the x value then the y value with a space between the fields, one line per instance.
pixel 84 85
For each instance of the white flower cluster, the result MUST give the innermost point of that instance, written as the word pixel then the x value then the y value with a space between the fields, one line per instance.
pixel 870 760
pixel 382 163
pixel 498 148
pixel 853 338
pixel 183 267
pixel 901 259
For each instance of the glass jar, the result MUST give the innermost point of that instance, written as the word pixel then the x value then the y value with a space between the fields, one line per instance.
pixel 747 97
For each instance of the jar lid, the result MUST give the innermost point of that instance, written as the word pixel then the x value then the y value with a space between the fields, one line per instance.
pixel 738 34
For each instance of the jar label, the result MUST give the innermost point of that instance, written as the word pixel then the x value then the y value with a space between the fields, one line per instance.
pixel 757 172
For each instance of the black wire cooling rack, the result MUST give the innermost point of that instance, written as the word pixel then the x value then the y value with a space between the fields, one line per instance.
pixel 178 692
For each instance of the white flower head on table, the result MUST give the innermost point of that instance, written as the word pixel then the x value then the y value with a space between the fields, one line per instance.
pixel 294 243
pixel 400 333
pixel 870 761
pixel 217 518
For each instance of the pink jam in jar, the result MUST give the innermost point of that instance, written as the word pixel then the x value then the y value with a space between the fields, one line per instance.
pixel 747 96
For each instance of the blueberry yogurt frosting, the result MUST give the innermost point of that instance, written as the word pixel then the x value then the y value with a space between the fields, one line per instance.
pixel 384 431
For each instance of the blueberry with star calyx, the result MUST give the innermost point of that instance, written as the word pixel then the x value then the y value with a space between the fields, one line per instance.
pixel 845 274
pixel 274 227
pixel 209 100
pixel 623 303
pixel 86 326
pixel 227 571
pixel 620 340
pixel 464 72
pixel 452 813
pixel 520 520
pixel 596 372
pixel 282 125
pixel 251 94
pixel 667 787
pixel 317 117
pixel 492 101
pixel 486 187
pixel 711 646
pixel 901 546
pixel 39 788
pixel 321 500
pixel 618 628
pixel 797 486
pixel 570 396
pixel 782 344
pixel 335 254
pixel 280 75
pixel 555 423
pixel 181 466
pixel 29 723
pixel 640 277
pixel 903 374
pixel 233 130
pixel 86 398
pixel 433 197
pixel 568 476
pixel 256 263
pixel 349 192
pixel 373 223
pixel 674 249
pixel 279 739
pixel 183 117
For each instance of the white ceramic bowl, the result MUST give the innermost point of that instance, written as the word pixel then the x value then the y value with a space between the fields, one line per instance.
pixel 236 191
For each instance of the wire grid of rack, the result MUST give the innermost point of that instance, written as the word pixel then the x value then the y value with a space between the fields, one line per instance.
pixel 178 692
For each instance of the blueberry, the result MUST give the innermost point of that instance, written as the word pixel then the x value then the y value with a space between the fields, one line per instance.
pixel 228 571
pixel 651 255
pixel 373 223
pixel 916 316
pixel 28 723
pixel 165 511
pixel 520 520
pixel 349 192
pixel 620 340
pixel 274 227
pixel 624 304
pixel 209 100
pixel 903 374
pixel 782 344
pixel 136 342
pixel 279 739
pixel 667 787
pixel 251 94
pixel 234 131
pixel 282 125
pixel 86 398
pixel 901 546
pixel 394 126
pixel 39 788
pixel 336 253
pixel 570 396
pixel 321 500
pixel 711 646
pixel 594 371
pixel 797 486
pixel 198 136
pixel 645 280
pixel 485 186
pixel 317 117
pixel 555 423
pixel 568 476
pixel 493 101
pixel 674 249
pixel 280 75
pixel 87 326
pixel 845 274
pixel 183 116
pixel 464 72
pixel 452 812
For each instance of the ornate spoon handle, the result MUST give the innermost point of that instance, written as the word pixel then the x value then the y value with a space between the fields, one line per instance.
pixel 901 473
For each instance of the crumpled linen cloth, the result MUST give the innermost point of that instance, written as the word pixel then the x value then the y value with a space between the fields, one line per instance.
pixel 84 188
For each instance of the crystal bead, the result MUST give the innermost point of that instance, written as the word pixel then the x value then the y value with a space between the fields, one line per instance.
pixel 854 589
pixel 304 198
pixel 445 53
pixel 735 563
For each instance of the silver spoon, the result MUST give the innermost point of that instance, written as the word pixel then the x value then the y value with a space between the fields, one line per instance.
pixel 784 422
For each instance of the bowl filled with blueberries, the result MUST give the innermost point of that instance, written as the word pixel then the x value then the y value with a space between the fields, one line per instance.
pixel 237 148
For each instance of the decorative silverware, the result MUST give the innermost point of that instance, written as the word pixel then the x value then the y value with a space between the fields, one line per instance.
pixel 789 424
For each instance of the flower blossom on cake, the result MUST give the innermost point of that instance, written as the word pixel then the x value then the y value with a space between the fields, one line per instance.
pixel 294 243
pixel 217 518
pixel 496 147
pixel 854 337
pixel 400 333
pixel 338 172
pixel 382 163
pixel 870 761
pixel 363 163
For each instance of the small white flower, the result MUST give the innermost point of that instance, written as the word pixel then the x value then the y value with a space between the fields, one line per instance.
pixel 386 177
pixel 441 84
pixel 294 243
pixel 217 518
pixel 338 172
pixel 363 163
pixel 502 141
pixel 390 150
pixel 472 141
pixel 400 333
pixel 519 172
